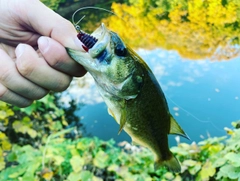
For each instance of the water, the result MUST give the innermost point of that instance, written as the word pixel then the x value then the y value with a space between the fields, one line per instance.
pixel 203 96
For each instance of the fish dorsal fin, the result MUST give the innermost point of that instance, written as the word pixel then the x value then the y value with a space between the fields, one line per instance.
pixel 176 129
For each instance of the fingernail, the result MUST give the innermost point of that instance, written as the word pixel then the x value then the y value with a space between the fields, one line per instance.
pixel 43 44
pixel 19 50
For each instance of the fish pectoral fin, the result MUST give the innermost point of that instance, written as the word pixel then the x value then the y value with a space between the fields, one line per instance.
pixel 122 120
pixel 176 129
pixel 110 112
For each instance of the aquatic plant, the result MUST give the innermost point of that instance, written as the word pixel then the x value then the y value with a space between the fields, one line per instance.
pixel 49 155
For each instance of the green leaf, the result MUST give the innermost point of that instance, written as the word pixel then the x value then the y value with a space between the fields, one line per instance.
pixel 28 177
pixel 181 149
pixel 33 166
pixel 189 163
pixel 58 160
pixel 230 171
pixel 234 174
pixel 177 178
pixel 113 167
pixel 207 171
pixel 28 110
pixel 97 179
pixel 234 158
pixel 169 175
pixel 27 153
pixel 2 162
pixel 18 126
pixel 3 114
pixel 73 176
pixel 57 125
pixel 86 176
pixel 55 135
pixel 101 159
pixel 32 133
pixel 219 162
pixel 15 172
pixel 77 163
pixel 82 145
pixel 193 170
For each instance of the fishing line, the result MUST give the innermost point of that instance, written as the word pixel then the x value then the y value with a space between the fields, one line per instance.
pixel 89 7
pixel 78 28
pixel 195 117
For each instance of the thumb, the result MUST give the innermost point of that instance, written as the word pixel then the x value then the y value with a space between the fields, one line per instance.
pixel 48 23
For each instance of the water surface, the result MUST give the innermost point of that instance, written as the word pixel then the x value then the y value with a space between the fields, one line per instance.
pixel 203 96
pixel 193 49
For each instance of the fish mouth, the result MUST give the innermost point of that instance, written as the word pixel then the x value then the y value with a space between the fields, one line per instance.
pixel 89 41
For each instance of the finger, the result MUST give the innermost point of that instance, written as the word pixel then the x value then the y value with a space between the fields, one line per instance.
pixel 10 97
pixel 11 79
pixel 56 56
pixel 36 69
pixel 34 14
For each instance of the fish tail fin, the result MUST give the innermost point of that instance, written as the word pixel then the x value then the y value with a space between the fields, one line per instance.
pixel 171 163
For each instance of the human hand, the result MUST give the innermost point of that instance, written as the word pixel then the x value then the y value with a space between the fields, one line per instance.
pixel 33 59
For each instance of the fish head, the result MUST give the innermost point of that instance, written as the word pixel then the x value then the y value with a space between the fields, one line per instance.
pixel 111 63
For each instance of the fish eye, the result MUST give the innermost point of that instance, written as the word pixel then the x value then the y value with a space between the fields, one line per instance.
pixel 120 50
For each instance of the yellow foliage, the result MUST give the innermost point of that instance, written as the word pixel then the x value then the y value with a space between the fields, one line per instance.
pixel 2 136
pixel 5 112
pixel 24 126
pixel 197 29
pixel 2 162
pixel 5 145
pixel 47 174
pixel 208 170
pixel 77 163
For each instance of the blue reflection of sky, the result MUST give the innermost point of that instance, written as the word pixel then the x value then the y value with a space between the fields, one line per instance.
pixel 203 96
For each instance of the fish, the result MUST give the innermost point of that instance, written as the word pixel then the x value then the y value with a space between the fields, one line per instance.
pixel 131 92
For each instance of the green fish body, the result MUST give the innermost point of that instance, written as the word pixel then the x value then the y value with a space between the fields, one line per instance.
pixel 132 94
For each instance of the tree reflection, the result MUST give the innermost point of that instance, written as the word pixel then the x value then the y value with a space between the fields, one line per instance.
pixel 197 29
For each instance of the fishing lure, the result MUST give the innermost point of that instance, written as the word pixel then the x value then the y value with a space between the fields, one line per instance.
pixel 87 40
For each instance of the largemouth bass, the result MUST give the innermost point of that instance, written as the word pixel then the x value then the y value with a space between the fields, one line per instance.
pixel 132 93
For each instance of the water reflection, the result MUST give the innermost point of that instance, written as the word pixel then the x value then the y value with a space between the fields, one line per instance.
pixel 202 95
pixel 195 29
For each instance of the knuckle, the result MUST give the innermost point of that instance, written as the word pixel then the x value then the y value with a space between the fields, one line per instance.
pixel 40 94
pixel 3 92
pixel 62 84
pixel 24 104
pixel 25 68
pixel 56 63
pixel 7 96
pixel 5 74
pixel 33 92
